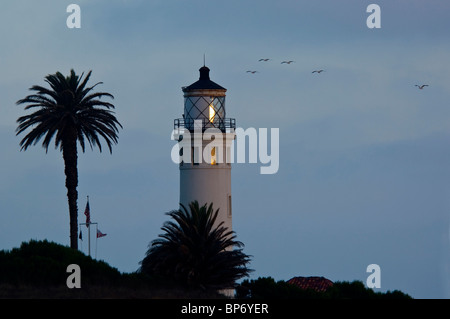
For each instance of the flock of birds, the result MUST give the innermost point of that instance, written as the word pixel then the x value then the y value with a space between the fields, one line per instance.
pixel 283 62
pixel 421 87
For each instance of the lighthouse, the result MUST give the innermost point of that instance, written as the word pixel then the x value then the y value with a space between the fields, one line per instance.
pixel 205 135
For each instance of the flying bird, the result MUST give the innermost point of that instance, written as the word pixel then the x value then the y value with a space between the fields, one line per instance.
pixel 252 72
pixel 265 60
pixel 421 86
pixel 287 62
pixel 317 71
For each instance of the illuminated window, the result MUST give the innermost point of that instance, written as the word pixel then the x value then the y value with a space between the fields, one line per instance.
pixel 212 113
pixel 213 156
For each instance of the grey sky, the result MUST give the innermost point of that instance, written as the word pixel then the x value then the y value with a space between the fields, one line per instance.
pixel 363 153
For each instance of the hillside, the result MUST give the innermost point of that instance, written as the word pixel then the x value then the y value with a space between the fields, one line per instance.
pixel 38 269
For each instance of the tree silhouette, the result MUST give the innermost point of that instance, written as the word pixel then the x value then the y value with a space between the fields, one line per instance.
pixel 69 112
pixel 195 252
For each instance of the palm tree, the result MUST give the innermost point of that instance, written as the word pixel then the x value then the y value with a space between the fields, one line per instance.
pixel 195 252
pixel 70 112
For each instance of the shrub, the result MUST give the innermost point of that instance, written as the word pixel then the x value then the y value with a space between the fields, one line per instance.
pixel 267 287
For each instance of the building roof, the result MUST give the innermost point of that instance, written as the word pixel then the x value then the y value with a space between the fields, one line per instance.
pixel 204 82
pixel 319 284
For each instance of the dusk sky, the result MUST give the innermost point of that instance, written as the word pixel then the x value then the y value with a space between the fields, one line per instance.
pixel 364 174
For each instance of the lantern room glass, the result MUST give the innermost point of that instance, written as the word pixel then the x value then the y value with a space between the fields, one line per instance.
pixel 209 109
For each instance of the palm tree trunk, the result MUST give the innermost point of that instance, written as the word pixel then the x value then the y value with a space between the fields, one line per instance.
pixel 70 168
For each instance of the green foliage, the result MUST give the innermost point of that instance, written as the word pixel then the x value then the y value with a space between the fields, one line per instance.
pixel 45 263
pixel 357 290
pixel 37 269
pixel 195 252
pixel 267 287
pixel 68 111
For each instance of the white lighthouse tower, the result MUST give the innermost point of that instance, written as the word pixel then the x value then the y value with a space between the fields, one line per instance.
pixel 206 135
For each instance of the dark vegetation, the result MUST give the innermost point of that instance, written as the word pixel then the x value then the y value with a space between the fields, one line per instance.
pixel 37 269
pixel 268 288
pixel 195 252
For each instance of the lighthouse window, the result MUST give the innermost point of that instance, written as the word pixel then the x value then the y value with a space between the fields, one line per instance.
pixel 212 113
pixel 213 156
pixel 229 205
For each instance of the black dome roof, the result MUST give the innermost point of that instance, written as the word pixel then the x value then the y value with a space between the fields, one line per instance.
pixel 204 82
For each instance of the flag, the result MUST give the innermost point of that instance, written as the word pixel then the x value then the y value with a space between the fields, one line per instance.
pixel 100 234
pixel 87 212
pixel 81 236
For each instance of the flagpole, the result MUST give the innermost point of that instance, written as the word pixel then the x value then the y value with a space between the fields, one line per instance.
pixel 89 232
pixel 88 225
pixel 96 240
pixel 89 239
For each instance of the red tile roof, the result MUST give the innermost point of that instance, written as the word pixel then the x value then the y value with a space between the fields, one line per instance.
pixel 319 284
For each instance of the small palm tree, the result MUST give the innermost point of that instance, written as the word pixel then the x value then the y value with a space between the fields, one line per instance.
pixel 195 252
pixel 69 112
